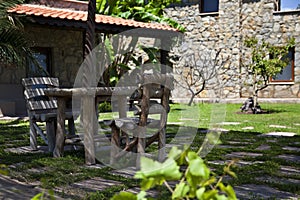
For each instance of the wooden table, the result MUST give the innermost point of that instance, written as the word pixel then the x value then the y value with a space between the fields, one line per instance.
pixel 89 100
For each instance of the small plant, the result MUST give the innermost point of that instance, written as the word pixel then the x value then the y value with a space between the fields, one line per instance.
pixel 194 179
pixel 201 70
pixel 104 107
pixel 3 169
pixel 266 62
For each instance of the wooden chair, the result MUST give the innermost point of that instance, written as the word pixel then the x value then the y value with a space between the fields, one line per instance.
pixel 129 133
pixel 41 108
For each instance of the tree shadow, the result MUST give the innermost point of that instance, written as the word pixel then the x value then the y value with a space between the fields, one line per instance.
pixel 263 112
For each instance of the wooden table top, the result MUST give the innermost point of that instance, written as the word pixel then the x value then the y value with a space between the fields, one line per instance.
pixel 97 91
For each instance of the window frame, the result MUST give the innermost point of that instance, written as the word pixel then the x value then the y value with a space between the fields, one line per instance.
pixel 45 51
pixel 185 3
pixel 278 8
pixel 201 7
pixel 292 70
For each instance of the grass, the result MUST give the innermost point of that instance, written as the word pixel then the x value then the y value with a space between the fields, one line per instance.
pixel 285 115
pixel 49 172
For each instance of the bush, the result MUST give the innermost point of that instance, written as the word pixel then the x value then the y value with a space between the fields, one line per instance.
pixel 194 179
pixel 104 107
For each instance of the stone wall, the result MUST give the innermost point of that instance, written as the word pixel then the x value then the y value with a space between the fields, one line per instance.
pixel 66 57
pixel 227 29
pixel 66 51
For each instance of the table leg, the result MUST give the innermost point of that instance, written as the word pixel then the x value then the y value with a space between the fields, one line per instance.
pixel 145 103
pixel 163 125
pixel 60 129
pixel 89 126
pixel 50 129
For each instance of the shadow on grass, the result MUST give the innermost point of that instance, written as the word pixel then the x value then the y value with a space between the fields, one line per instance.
pixel 263 112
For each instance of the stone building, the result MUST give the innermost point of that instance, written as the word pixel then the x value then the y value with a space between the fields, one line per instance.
pixel 58 35
pixel 225 24
pixel 57 30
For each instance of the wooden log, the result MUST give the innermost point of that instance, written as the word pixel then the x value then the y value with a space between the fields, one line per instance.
pixel 152 139
pixel 71 126
pixel 143 122
pixel 115 143
pixel 127 148
pixel 59 143
pixel 50 130
pixel 163 120
pixel 40 132
pixel 89 119
pixel 33 135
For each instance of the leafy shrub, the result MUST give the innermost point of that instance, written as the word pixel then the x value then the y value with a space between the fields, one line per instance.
pixel 104 107
pixel 194 179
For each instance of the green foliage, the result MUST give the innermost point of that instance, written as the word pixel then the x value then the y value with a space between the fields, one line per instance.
pixel 43 195
pixel 267 60
pixel 120 62
pixel 152 11
pixel 14 45
pixel 104 107
pixel 196 181
pixel 138 10
pixel 3 169
pixel 154 173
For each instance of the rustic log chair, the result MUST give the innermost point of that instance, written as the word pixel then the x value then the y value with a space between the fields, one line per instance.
pixel 152 98
pixel 41 108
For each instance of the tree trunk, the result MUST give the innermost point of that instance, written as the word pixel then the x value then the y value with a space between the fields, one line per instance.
pixel 191 99
pixel 254 93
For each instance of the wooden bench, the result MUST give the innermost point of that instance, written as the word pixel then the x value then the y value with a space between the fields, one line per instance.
pixel 41 108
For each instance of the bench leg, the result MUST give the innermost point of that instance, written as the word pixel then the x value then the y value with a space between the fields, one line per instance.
pixel 33 136
pixel 115 143
pixel 50 130
pixel 71 126
pixel 140 149
pixel 162 145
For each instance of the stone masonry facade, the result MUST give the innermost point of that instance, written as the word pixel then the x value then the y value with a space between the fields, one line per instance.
pixel 225 30
pixel 66 56
pixel 229 27
pixel 66 49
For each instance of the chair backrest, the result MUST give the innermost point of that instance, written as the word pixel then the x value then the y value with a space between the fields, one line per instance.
pixel 36 100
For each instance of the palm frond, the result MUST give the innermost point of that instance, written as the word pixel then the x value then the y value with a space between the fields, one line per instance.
pixel 13 46
pixel 6 4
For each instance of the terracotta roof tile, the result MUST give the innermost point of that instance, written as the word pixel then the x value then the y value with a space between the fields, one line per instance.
pixel 63 13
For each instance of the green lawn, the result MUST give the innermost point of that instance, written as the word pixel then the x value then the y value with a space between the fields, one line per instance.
pixel 50 172
pixel 280 117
